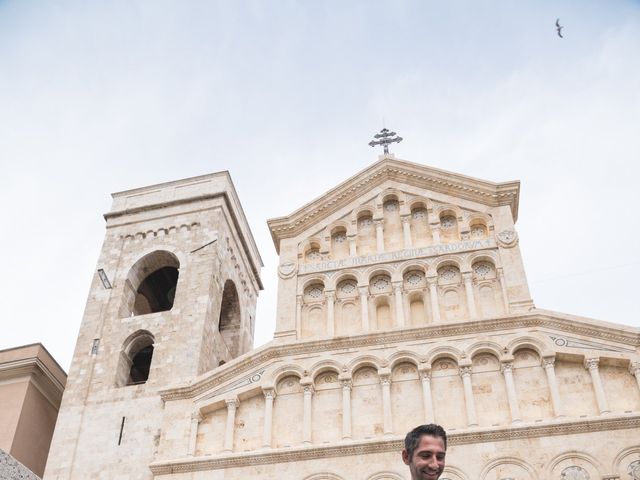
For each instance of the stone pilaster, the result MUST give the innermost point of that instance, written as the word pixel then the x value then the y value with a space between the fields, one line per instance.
pixel 353 251
pixel 634 369
pixel 427 399
pixel 346 384
pixel 330 295
pixel 308 391
pixel 548 365
pixel 432 282
pixel 364 307
pixel 385 382
pixel 232 406
pixel 379 235
pixel 406 231
pixel 196 418
pixel 465 373
pixel 397 290
pixel 468 288
pixel 591 364
pixel 269 397
pixel 507 371
pixel 503 289
pixel 298 316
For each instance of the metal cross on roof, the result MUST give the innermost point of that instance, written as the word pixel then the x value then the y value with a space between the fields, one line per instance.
pixel 385 138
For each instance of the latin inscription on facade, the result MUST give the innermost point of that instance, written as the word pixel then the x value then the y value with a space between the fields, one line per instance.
pixel 407 254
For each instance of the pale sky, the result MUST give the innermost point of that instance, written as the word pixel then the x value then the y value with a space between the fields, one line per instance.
pixel 99 97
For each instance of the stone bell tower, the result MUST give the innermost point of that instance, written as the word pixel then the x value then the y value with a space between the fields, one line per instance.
pixel 173 297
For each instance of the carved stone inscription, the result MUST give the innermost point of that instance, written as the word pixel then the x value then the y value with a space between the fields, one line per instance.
pixel 399 255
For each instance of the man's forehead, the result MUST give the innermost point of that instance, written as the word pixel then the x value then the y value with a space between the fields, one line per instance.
pixel 431 442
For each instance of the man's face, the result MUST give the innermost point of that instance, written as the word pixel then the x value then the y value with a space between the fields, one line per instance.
pixel 427 462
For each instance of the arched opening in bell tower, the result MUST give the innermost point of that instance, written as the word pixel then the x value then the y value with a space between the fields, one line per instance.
pixel 157 292
pixel 151 284
pixel 135 359
pixel 229 321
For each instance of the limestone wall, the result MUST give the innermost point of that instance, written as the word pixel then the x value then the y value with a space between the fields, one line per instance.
pixel 110 419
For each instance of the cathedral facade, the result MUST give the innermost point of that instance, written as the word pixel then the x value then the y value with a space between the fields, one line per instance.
pixel 402 299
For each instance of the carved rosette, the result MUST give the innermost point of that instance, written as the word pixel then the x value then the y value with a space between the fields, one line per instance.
pixel 507 238
pixel 634 470
pixel 574 472
pixel 287 270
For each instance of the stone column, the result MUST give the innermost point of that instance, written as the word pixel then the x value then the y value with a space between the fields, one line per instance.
pixel 507 371
pixel 468 287
pixel 196 418
pixel 307 385
pixel 425 302
pixel 330 295
pixel 364 307
pixel 503 288
pixel 232 405
pixel 397 289
pixel 634 369
pixel 465 373
pixel 298 316
pixel 346 408
pixel 406 231
pixel 385 381
pixel 427 400
pixel 591 364
pixel 406 304
pixel 352 245
pixel 548 365
pixel 433 293
pixel 269 396
pixel 379 235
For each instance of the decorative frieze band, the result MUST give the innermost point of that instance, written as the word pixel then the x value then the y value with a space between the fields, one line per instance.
pixel 513 432
pixel 384 257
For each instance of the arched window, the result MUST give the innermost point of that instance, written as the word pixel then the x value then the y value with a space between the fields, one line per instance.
pixel 339 243
pixel 157 292
pixel 229 321
pixel 151 284
pixel 135 359
pixel 449 227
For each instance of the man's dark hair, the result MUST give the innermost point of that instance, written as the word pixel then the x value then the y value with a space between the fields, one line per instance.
pixel 412 439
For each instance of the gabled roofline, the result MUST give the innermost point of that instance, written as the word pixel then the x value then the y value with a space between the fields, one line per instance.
pixel 390 168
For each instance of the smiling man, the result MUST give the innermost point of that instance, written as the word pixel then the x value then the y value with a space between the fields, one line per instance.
pixel 424 450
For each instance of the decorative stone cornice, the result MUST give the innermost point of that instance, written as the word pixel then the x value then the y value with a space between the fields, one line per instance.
pixel 37 372
pixel 429 178
pixel 470 436
pixel 536 319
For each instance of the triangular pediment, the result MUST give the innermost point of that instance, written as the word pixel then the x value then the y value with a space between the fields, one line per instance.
pixel 388 169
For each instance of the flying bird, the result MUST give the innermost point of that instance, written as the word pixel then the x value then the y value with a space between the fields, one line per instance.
pixel 559 28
